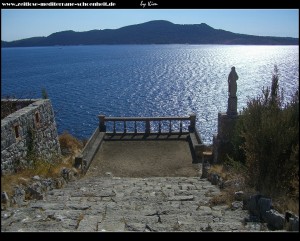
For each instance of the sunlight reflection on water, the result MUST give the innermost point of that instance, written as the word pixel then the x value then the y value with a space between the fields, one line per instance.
pixel 144 80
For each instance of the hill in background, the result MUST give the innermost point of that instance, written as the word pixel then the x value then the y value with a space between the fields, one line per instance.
pixel 153 32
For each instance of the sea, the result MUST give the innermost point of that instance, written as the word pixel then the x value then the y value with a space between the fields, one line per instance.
pixel 83 82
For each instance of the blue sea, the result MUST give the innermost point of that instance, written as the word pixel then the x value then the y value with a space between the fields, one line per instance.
pixel 144 80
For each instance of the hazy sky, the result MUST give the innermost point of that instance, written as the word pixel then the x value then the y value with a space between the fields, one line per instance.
pixel 24 23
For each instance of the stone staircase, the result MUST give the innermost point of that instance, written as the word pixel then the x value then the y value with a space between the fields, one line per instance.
pixel 114 204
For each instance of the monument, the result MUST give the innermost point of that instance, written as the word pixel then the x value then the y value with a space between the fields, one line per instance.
pixel 226 122
pixel 232 88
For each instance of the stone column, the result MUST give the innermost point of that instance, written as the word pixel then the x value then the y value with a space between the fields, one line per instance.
pixel 192 123
pixel 232 106
pixel 102 127
pixel 147 127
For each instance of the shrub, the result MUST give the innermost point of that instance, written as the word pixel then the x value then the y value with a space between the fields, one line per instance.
pixel 266 139
pixel 44 94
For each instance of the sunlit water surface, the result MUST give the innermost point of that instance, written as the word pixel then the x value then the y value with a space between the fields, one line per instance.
pixel 144 80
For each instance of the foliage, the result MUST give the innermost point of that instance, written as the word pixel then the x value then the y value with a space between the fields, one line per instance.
pixel 8 106
pixel 45 94
pixel 266 140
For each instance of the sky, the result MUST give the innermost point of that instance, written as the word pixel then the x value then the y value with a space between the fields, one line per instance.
pixel 25 23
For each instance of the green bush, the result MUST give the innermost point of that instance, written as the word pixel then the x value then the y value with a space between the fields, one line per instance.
pixel 266 140
pixel 44 94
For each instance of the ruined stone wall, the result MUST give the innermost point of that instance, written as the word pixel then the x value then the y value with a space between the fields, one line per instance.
pixel 31 129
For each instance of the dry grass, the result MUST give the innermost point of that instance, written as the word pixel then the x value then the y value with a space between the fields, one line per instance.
pixel 80 217
pixel 226 172
pixel 69 143
pixel 218 169
pixel 280 202
pixel 224 198
pixel 44 168
pixel 40 168
pixel 284 203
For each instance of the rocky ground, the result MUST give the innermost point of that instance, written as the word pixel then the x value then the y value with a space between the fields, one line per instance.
pixel 128 204
pixel 115 197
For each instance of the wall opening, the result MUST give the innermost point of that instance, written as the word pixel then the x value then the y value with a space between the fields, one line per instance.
pixel 37 117
pixel 17 132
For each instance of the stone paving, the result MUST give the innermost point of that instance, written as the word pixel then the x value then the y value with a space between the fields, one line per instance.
pixel 113 204
pixel 144 159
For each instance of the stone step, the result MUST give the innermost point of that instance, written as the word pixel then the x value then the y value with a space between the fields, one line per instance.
pixel 127 204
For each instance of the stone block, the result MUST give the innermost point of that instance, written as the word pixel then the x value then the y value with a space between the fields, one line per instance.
pixel 264 205
pixel 292 221
pixel 275 219
pixel 252 204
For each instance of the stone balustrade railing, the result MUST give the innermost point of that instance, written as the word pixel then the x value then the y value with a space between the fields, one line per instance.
pixel 147 122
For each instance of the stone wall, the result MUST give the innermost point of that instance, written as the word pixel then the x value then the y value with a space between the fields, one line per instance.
pixel 31 129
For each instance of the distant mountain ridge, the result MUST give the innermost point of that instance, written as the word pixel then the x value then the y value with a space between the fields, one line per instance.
pixel 153 32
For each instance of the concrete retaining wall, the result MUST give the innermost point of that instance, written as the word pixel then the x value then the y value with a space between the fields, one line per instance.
pixel 31 129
